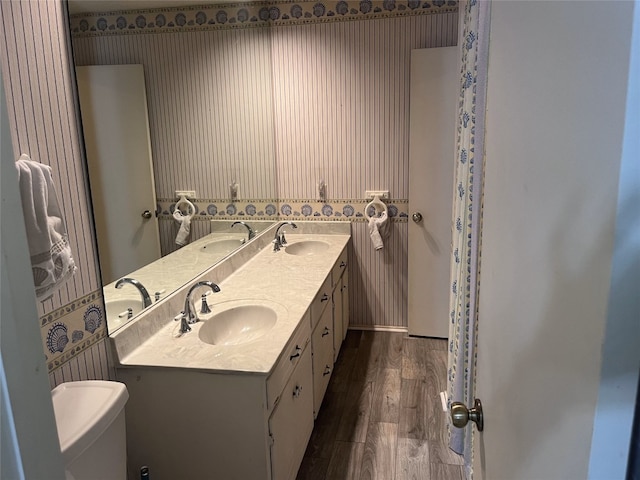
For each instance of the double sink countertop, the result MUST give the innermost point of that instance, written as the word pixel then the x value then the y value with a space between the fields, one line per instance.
pixel 284 282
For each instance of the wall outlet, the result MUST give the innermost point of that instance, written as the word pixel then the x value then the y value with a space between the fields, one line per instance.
pixel 376 193
pixel 186 193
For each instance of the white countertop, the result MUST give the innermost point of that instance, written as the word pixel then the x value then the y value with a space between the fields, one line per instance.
pixel 286 283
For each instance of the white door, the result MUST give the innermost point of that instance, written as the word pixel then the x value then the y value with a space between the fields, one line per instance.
pixel 113 104
pixel 434 90
pixel 553 147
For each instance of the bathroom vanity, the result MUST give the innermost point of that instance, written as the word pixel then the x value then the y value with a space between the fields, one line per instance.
pixel 239 403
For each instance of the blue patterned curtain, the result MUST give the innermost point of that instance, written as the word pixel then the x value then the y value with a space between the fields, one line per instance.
pixel 467 214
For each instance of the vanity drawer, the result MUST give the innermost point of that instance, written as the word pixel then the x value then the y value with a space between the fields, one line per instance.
pixel 323 298
pixel 339 267
pixel 288 361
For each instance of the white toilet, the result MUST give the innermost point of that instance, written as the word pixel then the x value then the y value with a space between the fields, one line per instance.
pixel 90 419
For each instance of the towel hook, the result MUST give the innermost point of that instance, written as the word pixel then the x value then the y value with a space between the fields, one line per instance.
pixel 190 208
pixel 378 205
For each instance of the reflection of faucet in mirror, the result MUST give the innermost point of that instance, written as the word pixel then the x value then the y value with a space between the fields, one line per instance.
pixel 188 314
pixel 146 299
pixel 252 233
pixel 279 240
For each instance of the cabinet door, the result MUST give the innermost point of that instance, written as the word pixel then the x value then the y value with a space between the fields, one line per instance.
pixel 345 303
pixel 291 424
pixel 322 344
pixel 338 334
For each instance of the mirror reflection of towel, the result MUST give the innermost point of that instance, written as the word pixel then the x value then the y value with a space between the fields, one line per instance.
pixel 51 261
pixel 379 230
pixel 182 238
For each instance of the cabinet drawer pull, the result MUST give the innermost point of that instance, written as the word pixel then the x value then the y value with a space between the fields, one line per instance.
pixel 324 298
pixel 297 391
pixel 326 331
pixel 297 354
pixel 343 264
pixel 327 371
pixel 344 287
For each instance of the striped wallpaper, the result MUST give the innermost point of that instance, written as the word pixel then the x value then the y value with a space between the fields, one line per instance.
pixel 209 100
pixel 35 56
pixel 341 100
pixel 280 108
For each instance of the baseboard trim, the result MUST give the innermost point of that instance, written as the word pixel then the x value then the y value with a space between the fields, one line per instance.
pixel 379 328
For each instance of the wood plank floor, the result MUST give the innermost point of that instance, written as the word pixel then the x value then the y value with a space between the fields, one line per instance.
pixel 381 418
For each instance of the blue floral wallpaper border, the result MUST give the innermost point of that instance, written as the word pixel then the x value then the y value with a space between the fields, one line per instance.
pixel 254 14
pixel 346 210
pixel 73 328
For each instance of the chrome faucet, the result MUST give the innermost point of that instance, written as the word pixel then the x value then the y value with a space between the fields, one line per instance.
pixel 251 232
pixel 279 240
pixel 188 315
pixel 146 299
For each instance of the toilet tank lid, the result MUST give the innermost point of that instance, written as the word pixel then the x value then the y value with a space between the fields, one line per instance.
pixel 84 410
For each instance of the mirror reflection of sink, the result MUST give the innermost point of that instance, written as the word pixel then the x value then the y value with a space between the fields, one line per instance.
pixel 222 246
pixel 306 247
pixel 237 325
pixel 120 306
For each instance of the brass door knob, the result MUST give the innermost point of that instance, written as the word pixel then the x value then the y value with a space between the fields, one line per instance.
pixel 460 414
pixel 417 217
pixel 146 214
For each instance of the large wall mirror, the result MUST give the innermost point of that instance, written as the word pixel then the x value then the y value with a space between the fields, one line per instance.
pixel 276 99
pixel 209 130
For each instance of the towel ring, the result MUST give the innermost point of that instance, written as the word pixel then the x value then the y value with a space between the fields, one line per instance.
pixel 189 206
pixel 377 204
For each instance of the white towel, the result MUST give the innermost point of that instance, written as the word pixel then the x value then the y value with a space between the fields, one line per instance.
pixel 182 238
pixel 51 261
pixel 379 230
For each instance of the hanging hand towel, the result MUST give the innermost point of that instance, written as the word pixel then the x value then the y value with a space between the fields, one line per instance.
pixel 182 238
pixel 51 261
pixel 379 230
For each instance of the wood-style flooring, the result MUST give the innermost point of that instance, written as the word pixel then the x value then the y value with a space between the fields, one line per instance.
pixel 381 418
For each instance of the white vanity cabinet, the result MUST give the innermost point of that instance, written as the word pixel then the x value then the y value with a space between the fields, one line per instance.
pixel 196 424
pixel 237 411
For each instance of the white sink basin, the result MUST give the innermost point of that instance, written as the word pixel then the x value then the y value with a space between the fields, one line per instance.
pixel 238 324
pixel 222 246
pixel 306 247
pixel 120 306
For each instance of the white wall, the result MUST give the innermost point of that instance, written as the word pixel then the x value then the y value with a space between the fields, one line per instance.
pixel 557 85
pixel 621 350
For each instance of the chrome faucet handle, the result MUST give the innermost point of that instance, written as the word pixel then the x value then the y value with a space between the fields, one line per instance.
pixel 184 323
pixel 204 306
pixel 127 313
pixel 276 244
